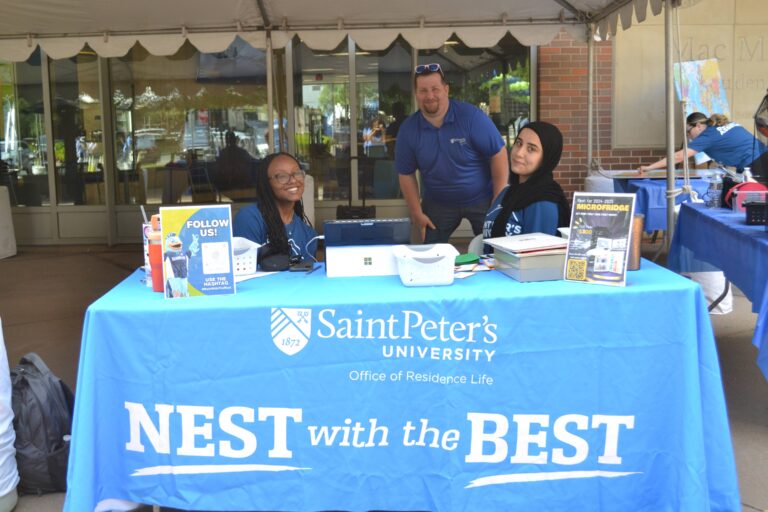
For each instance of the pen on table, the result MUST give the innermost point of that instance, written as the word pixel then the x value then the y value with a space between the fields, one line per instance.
pixel 314 267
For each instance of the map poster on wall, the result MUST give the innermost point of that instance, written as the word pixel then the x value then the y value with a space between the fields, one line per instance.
pixel 197 250
pixel 698 82
pixel 598 245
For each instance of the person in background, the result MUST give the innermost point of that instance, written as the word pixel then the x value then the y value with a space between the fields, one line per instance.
pixel 278 217
pixel 121 151
pixel 398 113
pixel 458 151
pixel 233 166
pixel 533 202
pixel 80 147
pixel 375 139
pixel 725 142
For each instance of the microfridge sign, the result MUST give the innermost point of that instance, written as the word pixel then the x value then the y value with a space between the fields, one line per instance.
pixel 463 341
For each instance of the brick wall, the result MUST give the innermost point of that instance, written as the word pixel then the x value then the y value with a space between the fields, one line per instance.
pixel 563 91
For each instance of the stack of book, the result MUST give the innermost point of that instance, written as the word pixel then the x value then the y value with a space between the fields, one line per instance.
pixel 531 257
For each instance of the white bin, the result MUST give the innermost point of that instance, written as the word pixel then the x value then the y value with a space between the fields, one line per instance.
pixel 425 265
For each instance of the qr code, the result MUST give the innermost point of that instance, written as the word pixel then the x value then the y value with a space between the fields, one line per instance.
pixel 576 270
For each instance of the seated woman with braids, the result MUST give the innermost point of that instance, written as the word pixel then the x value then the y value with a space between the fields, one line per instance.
pixel 277 219
pixel 533 202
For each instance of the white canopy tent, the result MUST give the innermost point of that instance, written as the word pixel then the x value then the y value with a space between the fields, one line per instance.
pixel 61 28
pixel 111 27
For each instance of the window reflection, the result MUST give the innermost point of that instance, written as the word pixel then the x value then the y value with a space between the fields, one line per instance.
pixel 22 141
pixel 191 127
pixel 321 87
pixel 384 99
pixel 78 146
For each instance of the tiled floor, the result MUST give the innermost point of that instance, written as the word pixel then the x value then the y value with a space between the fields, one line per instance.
pixel 44 292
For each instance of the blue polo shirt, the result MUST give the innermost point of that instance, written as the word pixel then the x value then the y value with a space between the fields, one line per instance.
pixel 730 145
pixel 454 160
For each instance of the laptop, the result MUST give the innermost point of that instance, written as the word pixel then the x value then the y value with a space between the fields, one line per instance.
pixel 367 232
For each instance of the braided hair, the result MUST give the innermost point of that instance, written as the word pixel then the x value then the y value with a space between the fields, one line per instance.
pixel 267 204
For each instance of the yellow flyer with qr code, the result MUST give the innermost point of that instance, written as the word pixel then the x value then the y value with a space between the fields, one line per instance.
pixel 598 245
pixel 197 250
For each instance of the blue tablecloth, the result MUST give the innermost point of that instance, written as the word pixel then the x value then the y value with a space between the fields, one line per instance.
pixel 722 238
pixel 651 198
pixel 308 393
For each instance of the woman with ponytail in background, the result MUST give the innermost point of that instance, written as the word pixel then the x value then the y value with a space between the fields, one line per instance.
pixel 724 142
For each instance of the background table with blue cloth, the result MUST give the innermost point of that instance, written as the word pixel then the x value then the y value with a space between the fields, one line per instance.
pixel 651 197
pixel 722 238
pixel 308 393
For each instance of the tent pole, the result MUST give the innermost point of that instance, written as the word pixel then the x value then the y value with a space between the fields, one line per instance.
pixel 670 108
pixel 290 107
pixel 590 92
pixel 110 172
pixel 270 99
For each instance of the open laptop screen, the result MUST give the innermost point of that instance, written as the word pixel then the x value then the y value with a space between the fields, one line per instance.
pixel 367 232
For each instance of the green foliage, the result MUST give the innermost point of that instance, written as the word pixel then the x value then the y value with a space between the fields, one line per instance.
pixel 304 146
pixel 478 90
pixel 332 95
pixel 59 151
pixel 393 95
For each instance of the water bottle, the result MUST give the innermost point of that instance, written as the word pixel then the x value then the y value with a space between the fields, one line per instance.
pixel 714 191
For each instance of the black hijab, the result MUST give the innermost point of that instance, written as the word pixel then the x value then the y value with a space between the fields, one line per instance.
pixel 541 185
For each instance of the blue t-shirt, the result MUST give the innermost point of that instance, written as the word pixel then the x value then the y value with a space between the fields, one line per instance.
pixel 730 145
pixel 249 223
pixel 539 217
pixel 454 160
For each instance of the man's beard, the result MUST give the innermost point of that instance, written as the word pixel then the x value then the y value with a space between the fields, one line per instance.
pixel 431 108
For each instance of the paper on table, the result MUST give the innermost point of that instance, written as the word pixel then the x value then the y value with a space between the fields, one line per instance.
pixel 526 243
pixel 471 267
pixel 246 277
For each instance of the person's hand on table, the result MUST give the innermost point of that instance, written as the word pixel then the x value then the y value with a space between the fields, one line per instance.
pixel 643 169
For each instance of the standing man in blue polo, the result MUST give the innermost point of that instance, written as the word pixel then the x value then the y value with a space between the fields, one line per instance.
pixel 458 151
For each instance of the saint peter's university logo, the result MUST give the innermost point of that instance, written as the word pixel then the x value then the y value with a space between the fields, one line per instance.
pixel 291 328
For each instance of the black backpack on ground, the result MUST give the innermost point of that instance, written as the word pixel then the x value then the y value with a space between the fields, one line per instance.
pixel 42 410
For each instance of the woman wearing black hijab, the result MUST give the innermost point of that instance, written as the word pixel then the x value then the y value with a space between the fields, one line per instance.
pixel 533 202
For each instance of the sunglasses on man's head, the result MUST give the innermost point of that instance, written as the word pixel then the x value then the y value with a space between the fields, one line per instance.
pixel 428 68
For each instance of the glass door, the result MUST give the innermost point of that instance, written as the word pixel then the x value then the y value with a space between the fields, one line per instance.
pixel 77 134
pixel 346 123
pixel 190 128
pixel 384 100
pixel 322 119
pixel 22 133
